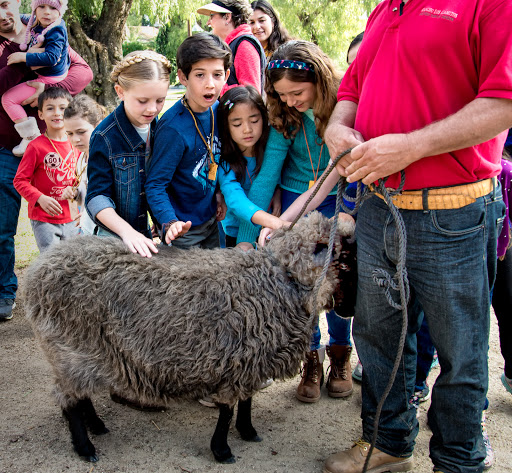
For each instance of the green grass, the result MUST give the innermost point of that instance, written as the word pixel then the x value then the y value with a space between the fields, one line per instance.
pixel 25 243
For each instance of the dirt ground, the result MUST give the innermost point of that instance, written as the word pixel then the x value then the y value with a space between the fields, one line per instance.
pixel 297 437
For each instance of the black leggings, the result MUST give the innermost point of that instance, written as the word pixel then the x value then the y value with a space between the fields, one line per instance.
pixel 502 304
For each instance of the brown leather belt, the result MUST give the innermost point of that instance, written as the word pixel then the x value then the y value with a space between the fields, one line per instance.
pixel 443 198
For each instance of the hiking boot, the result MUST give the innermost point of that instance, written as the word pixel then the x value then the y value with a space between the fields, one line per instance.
pixel 6 308
pixel 352 461
pixel 312 376
pixel 339 381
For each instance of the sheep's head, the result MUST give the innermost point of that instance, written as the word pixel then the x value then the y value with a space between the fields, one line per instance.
pixel 303 251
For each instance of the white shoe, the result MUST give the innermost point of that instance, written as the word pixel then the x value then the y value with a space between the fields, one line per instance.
pixel 266 383
pixel 207 401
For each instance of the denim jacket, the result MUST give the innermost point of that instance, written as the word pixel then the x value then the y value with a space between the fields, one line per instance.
pixel 117 170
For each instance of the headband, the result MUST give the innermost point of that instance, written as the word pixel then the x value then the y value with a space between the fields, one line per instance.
pixel 290 64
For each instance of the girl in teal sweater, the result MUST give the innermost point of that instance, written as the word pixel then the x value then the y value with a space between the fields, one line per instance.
pixel 244 131
pixel 301 85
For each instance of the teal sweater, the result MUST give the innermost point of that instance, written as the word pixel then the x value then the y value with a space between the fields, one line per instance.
pixel 293 173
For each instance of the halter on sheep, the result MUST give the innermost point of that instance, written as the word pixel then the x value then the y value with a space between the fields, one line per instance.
pixel 183 324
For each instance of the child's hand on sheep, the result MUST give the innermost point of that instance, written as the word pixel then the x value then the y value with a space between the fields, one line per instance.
pixel 267 232
pixel 49 205
pixel 138 243
pixel 176 230
pixel 244 246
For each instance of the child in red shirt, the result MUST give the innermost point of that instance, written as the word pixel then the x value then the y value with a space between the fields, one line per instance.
pixel 47 168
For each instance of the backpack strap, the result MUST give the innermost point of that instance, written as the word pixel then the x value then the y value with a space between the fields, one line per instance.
pixel 232 79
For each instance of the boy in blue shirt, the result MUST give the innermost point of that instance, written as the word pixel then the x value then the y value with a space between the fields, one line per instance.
pixel 182 175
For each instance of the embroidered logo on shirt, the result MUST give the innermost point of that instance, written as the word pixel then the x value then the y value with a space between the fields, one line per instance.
pixel 437 13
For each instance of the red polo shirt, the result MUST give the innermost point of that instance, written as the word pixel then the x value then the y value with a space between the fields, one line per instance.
pixel 426 64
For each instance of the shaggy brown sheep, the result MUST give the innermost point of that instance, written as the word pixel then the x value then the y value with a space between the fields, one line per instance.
pixel 182 324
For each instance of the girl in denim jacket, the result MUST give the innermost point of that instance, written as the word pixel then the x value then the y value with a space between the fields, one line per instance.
pixel 120 148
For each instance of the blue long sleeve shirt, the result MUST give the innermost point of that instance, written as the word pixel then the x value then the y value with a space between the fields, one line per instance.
pixel 287 160
pixel 240 208
pixel 55 59
pixel 177 187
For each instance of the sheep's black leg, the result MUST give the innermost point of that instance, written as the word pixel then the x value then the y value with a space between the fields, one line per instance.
pixel 244 422
pixel 91 419
pixel 219 443
pixel 79 438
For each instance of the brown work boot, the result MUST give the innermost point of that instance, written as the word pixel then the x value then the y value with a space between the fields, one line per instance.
pixel 339 381
pixel 352 461
pixel 312 376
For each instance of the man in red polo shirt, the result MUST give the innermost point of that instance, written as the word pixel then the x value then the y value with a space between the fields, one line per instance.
pixel 429 93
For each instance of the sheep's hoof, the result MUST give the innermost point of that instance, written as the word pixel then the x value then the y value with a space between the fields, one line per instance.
pixel 90 458
pixel 228 461
pixel 254 438
pixel 225 457
pixel 98 428
pixel 249 434
pixel 100 431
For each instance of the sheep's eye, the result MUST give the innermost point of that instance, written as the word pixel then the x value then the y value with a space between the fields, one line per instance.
pixel 319 248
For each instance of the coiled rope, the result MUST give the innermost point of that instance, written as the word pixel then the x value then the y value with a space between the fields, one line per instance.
pixel 398 282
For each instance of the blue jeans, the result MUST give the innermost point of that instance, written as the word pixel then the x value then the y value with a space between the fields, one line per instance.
pixel 450 276
pixel 10 203
pixel 339 329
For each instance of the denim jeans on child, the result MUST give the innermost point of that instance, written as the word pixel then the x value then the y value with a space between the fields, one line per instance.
pixel 10 203
pixel 339 328
pixel 450 275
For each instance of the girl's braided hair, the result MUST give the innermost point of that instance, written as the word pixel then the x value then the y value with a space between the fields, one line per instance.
pixel 140 66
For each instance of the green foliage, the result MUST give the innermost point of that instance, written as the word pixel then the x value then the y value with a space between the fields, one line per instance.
pixel 170 36
pixel 91 9
pixel 165 11
pixel 329 23
pixel 129 46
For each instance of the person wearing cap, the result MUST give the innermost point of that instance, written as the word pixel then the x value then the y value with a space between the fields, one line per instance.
pixel 46 30
pixel 229 21
pixel 12 34
pixel 424 107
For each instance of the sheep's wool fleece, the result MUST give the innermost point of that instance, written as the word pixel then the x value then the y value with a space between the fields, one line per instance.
pixel 184 323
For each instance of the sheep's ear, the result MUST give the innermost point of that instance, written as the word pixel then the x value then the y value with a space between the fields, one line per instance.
pixel 346 224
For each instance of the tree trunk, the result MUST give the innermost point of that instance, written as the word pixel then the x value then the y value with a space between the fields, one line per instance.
pixel 100 44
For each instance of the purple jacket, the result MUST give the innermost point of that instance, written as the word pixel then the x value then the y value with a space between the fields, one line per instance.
pixel 506 188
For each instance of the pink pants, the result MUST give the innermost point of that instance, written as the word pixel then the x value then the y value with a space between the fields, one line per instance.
pixel 12 99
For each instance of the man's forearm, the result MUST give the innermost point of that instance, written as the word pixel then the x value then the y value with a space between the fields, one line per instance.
pixel 344 114
pixel 477 122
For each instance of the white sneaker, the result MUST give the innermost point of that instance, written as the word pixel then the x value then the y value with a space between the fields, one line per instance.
pixel 207 401
pixel 266 383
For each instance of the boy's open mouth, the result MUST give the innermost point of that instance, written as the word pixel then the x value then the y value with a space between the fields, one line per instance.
pixel 208 96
